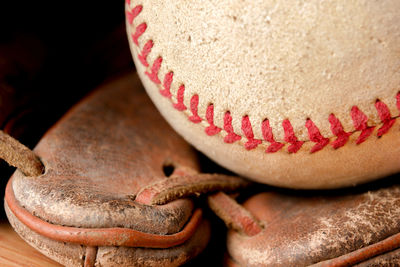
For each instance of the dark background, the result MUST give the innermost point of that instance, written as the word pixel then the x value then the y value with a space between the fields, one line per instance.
pixel 53 53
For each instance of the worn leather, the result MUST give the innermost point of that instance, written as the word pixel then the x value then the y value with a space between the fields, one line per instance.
pixel 338 229
pixel 188 185
pixel 18 155
pixel 21 61
pixel 97 158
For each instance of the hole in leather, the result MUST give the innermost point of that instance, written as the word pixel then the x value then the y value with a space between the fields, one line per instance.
pixel 168 169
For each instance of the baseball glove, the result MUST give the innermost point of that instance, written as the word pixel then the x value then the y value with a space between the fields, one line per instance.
pixel 105 185
pixel 356 226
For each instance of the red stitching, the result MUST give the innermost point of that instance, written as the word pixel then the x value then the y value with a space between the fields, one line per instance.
pixel 145 52
pixel 153 75
pixel 315 136
pixel 179 97
pixel 212 129
pixel 290 137
pixel 248 132
pixel 269 137
pixel 139 31
pixel 386 118
pixel 231 137
pixel 359 118
pixel 130 16
pixel 167 84
pixel 360 123
pixel 337 129
pixel 398 101
pixel 194 103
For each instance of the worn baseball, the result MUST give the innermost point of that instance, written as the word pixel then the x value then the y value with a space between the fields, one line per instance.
pixel 299 94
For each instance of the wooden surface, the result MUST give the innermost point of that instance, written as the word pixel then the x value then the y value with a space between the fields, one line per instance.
pixel 16 252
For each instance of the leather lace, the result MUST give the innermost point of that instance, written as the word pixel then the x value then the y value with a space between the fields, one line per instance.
pixel 19 156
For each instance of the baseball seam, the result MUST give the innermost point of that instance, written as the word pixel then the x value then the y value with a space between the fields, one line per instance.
pixel 294 145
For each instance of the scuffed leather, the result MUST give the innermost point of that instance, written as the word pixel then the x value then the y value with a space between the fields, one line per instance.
pixel 99 156
pixel 304 230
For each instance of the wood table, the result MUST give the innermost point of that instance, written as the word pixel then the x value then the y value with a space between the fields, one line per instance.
pixel 16 252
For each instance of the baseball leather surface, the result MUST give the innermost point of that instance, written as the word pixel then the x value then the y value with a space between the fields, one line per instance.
pixel 300 95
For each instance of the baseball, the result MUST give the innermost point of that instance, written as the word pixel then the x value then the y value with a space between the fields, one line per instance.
pixel 298 94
